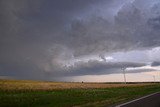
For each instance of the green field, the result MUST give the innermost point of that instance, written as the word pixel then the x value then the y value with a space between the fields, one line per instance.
pixel 79 97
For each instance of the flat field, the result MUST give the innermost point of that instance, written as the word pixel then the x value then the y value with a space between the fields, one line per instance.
pixel 22 93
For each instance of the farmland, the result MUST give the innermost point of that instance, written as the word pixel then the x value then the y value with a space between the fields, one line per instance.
pixel 23 93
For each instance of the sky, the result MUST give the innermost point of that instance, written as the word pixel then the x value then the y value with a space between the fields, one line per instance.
pixel 80 40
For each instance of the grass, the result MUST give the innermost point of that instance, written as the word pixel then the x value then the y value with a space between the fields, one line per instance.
pixel 35 96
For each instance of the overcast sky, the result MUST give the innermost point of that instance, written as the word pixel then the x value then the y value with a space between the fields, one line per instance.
pixel 74 40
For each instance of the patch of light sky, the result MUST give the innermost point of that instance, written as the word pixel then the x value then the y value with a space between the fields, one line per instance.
pixel 142 56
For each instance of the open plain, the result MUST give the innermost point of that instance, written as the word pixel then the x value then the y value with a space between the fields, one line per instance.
pixel 24 93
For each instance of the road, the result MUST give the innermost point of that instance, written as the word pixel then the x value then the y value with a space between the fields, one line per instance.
pixel 152 100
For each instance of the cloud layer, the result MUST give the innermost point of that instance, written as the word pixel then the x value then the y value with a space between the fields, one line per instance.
pixel 43 37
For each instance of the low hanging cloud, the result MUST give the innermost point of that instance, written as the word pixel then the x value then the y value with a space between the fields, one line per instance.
pixel 94 67
pixel 140 70
pixel 42 36
pixel 155 63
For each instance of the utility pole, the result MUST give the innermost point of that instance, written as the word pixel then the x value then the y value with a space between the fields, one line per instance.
pixel 124 74
pixel 154 79
pixel 159 76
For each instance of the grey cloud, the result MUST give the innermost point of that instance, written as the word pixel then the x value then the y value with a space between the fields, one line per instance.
pixel 140 70
pixel 37 37
pixel 155 63
pixel 29 30
pixel 155 22
pixel 94 67
pixel 131 30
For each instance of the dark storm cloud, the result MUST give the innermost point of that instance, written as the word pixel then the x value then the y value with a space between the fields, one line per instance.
pixel 32 34
pixel 140 70
pixel 94 67
pixel 132 29
pixel 37 37
pixel 155 63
